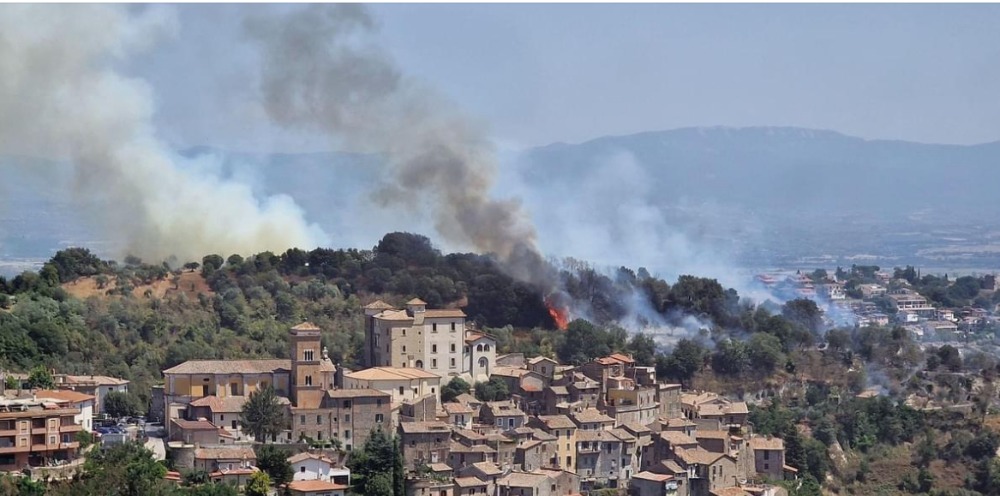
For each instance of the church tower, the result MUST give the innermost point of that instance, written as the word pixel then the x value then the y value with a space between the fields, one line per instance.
pixel 304 341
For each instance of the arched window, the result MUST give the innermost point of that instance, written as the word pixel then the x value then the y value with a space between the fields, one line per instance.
pixel 486 348
pixel 479 347
pixel 420 364
pixel 483 363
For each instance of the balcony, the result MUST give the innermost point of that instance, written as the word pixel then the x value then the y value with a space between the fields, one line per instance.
pixel 11 449
pixel 70 428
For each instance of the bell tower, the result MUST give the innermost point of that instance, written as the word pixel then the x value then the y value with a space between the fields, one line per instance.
pixel 304 343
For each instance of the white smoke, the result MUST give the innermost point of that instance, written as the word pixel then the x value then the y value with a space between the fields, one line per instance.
pixel 62 97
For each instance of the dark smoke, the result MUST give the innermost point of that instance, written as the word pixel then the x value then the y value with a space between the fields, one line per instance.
pixel 322 71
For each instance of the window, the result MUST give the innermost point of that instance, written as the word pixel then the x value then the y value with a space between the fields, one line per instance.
pixel 319 420
pixel 453 327
pixel 767 455
pixel 400 390
pixel 434 328
pixel 222 418
pixel 302 469
pixel 404 333
pixel 452 347
pixel 434 363
pixel 52 440
pixel 486 348
pixel 233 424
pixel 302 420
pixel 309 380
pixel 452 363
pixel 234 389
pixel 307 355
pixel 432 390
pixel 434 348
pixel 319 435
pixel 347 418
pixel 483 362
pixel 347 434
pixel 378 402
pixel 404 348
pixel 379 418
pixel 479 347
pixel 544 369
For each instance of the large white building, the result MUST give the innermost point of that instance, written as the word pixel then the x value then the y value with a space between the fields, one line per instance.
pixel 435 340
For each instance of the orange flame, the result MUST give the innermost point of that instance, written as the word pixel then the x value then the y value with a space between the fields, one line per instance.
pixel 560 315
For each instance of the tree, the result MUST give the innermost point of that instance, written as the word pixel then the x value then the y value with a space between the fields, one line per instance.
pixel 210 264
pixel 263 416
pixel 259 485
pixel 274 461
pixel 40 378
pixel 765 352
pixel 11 383
pixel 118 404
pixel 643 349
pixel 379 484
pixel 454 388
pixel 805 313
pixel 126 469
pixel 380 458
pixel 686 360
pixel 493 390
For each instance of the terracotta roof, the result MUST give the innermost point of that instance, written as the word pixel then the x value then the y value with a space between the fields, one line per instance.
pixel 559 390
pixel 314 485
pixel 225 453
pixel 230 367
pixel 235 471
pixel 488 468
pixel 591 415
pixel 523 479
pixel 456 447
pixel 605 436
pixel 442 313
pixel 221 405
pixel 194 425
pixel 416 301
pixel 763 443
pixel 467 399
pixel 439 467
pixel 728 491
pixel 63 395
pixel 456 408
pixel 101 380
pixel 557 421
pixel 538 359
pixel 306 326
pixel 697 456
pixel 469 482
pixel 301 457
pixel 676 438
pixel 653 477
pixel 623 435
pixel 509 371
pixel 355 393
pixel 326 365
pixel 621 358
pixel 378 305
pixel 424 427
pixel 636 429
pixel 543 436
pixel 529 444
pixel 472 337
pixel 672 466
pixel 391 374
pixel 397 315
pixel 710 434
pixel 469 434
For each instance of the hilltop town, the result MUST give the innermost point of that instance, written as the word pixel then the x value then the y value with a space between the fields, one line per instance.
pixel 309 391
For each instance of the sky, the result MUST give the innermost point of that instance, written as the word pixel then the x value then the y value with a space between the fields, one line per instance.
pixel 537 74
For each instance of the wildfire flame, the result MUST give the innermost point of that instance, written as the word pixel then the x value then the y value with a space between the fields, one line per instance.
pixel 559 313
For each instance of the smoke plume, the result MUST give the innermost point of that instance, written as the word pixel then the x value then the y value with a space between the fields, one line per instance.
pixel 321 71
pixel 62 97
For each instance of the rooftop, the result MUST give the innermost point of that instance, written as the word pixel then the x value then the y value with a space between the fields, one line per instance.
pixel 225 453
pixel 314 485
pixel 424 427
pixel 391 374
pixel 267 366
pixel 216 404
pixel 766 443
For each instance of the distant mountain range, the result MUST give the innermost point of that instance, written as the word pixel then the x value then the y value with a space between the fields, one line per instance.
pixel 760 195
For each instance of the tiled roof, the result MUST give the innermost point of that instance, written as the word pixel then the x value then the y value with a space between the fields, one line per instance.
pixel 523 479
pixel 636 429
pixel 225 453
pixel 676 438
pixel 488 468
pixel 456 408
pixel 314 485
pixel 728 491
pixel 623 435
pixel 710 434
pixel 101 380
pixel 424 427
pixel 557 421
pixel 559 390
pixel 309 399
pixel 698 456
pixel 391 374
pixel 306 326
pixel 194 425
pixel 439 467
pixel 442 313
pixel 398 315
pixel 469 482
pixel 472 337
pixel 672 467
pixel 456 447
pixel 301 457
pixel 652 477
pixel 378 305
pixel 590 436
pixel 355 393
pixel 63 395
pixel 230 367
pixel 469 434
pixel 416 301
pixel 220 405
pixel 763 443
pixel 591 415
pixel 538 359
pixel 621 358
pixel 509 371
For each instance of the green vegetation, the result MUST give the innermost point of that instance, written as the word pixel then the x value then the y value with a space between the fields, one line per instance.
pixel 118 404
pixel 263 416
pixel 493 390
pixel 377 468
pixel 455 387
pixel 274 461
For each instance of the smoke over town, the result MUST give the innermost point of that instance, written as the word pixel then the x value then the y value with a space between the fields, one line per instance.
pixel 63 98
pixel 322 71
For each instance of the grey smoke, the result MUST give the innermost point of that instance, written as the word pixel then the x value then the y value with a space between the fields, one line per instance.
pixel 322 71
pixel 62 97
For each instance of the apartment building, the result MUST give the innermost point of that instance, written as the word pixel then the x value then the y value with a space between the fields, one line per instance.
pixel 35 432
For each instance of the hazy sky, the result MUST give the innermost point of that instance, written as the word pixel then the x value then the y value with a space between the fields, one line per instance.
pixel 536 74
